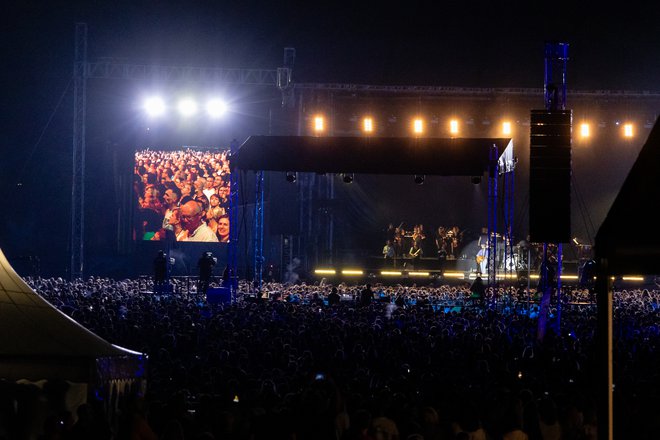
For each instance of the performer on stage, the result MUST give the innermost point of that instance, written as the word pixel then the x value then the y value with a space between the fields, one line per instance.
pixel 482 259
pixel 389 255
pixel 415 254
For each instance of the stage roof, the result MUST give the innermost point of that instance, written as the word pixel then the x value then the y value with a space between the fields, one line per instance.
pixel 373 155
pixel 628 237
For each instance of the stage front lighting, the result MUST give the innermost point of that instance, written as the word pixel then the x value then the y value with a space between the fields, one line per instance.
pixel 291 177
pixel 187 107
pixel 347 177
pixel 216 108
pixel 419 179
pixel 154 106
pixel 506 128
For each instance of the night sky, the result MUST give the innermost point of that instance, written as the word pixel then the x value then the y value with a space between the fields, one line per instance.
pixel 464 44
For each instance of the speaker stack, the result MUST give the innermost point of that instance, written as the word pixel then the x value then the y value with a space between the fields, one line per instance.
pixel 550 176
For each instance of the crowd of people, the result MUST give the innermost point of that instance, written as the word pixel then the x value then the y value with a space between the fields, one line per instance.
pixel 182 195
pixel 344 362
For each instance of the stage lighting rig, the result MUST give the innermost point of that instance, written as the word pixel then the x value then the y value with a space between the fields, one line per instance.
pixel 291 177
pixel 347 177
pixel 419 179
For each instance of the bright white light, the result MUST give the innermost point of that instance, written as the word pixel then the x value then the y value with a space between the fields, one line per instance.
pixel 506 128
pixel 154 106
pixel 216 108
pixel 187 107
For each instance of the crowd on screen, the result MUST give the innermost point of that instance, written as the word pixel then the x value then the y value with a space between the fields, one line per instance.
pixel 182 195
pixel 344 362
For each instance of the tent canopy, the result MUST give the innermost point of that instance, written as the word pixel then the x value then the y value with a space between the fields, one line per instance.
pixel 37 341
pixel 627 237
pixel 373 155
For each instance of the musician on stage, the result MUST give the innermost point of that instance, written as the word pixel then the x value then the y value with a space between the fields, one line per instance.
pixel 415 254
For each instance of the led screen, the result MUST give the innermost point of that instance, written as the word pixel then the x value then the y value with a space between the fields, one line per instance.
pixel 182 195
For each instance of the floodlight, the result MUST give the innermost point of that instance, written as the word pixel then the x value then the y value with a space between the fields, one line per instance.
pixel 368 125
pixel 628 130
pixel 347 177
pixel 291 177
pixel 154 106
pixel 319 124
pixel 506 128
pixel 216 108
pixel 418 126
pixel 187 107
pixel 453 126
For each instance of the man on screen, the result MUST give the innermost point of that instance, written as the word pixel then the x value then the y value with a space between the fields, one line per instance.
pixel 192 221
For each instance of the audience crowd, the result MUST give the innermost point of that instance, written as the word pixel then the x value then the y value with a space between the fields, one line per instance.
pixel 348 362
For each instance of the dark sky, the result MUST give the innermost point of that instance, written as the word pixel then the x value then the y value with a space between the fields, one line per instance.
pixel 458 43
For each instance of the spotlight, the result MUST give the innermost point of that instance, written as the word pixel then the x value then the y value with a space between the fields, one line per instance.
pixel 347 177
pixel 154 106
pixel 187 107
pixel 476 180
pixel 419 179
pixel 291 177
pixel 216 108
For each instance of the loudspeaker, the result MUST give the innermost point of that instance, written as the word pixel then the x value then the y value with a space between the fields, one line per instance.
pixel 550 176
pixel 218 295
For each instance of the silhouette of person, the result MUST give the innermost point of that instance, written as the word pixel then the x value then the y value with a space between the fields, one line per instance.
pixel 205 265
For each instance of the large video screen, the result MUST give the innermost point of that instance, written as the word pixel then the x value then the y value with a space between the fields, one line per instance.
pixel 182 195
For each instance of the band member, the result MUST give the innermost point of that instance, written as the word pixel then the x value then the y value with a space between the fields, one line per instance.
pixel 415 254
pixel 482 258
pixel 389 254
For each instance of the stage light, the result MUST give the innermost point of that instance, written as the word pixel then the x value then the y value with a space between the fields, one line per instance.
pixel 154 106
pixel 418 126
pixel 506 128
pixel 319 124
pixel 419 179
pixel 476 180
pixel 325 271
pixel 347 177
pixel 628 130
pixel 453 127
pixel 187 107
pixel 368 125
pixel 584 130
pixel 352 272
pixel 216 108
pixel 291 177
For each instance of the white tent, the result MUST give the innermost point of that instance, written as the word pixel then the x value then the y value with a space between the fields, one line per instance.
pixel 38 342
